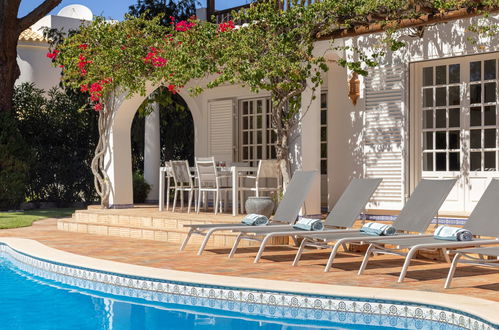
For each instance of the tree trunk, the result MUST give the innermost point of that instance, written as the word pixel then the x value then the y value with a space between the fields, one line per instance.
pixel 10 29
pixel 9 70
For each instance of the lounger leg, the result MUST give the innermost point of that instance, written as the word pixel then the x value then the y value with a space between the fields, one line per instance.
pixel 446 255
pixel 236 244
pixel 366 259
pixel 262 247
pixel 205 241
pixel 407 262
pixel 184 243
pixel 332 256
pixel 452 270
pixel 300 252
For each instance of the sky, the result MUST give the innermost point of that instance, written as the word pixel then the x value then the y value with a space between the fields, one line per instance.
pixel 114 9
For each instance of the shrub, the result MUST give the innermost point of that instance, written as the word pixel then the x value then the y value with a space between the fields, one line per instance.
pixel 13 165
pixel 61 142
pixel 140 188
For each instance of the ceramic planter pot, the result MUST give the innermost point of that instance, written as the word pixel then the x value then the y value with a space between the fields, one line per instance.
pixel 260 205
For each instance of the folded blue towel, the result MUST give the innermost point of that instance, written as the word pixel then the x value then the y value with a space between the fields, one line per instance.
pixel 309 224
pixel 255 220
pixel 452 234
pixel 377 229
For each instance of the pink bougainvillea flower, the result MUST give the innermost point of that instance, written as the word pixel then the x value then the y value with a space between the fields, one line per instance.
pixel 227 26
pixel 159 61
pixel 98 107
pixel 61 66
pixel 83 46
pixel 96 87
pixel 53 55
pixel 84 88
pixel 171 88
pixel 183 26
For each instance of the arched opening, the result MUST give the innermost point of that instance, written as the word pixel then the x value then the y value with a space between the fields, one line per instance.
pixel 118 158
pixel 162 130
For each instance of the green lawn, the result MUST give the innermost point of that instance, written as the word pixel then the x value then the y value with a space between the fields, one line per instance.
pixel 25 219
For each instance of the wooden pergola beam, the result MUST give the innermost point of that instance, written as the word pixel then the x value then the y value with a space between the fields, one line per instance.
pixel 405 23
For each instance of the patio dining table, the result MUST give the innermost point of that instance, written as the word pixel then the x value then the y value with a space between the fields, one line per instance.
pixel 235 171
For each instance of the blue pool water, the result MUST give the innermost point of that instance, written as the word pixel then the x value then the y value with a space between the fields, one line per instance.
pixel 29 301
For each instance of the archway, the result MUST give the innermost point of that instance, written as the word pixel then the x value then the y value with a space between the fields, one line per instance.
pixel 118 159
pixel 162 129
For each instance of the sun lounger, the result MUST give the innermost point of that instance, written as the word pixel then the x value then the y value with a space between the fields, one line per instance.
pixel 343 215
pixel 415 217
pixel 481 222
pixel 286 213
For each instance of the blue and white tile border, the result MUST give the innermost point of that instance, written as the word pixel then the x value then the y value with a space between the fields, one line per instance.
pixel 266 303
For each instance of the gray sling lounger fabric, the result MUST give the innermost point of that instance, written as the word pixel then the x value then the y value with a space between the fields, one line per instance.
pixel 481 222
pixel 286 212
pixel 343 215
pixel 415 216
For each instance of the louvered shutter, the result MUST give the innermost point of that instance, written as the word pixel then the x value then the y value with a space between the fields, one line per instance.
pixel 384 132
pixel 220 130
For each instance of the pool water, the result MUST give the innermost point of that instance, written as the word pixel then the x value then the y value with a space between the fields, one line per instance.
pixel 32 302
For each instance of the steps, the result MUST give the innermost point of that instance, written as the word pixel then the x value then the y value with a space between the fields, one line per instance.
pixel 148 223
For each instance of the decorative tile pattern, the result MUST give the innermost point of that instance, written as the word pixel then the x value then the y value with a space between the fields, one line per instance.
pixel 339 309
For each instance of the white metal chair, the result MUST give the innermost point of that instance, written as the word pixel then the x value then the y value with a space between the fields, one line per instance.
pixel 267 179
pixel 210 181
pixel 168 178
pixel 183 182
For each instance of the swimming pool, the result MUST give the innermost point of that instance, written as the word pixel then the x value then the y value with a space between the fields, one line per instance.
pixel 37 293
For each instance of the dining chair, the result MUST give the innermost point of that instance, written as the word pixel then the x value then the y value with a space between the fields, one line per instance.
pixel 267 179
pixel 183 183
pixel 209 180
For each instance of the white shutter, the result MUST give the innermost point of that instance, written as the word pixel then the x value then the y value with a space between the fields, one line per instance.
pixel 384 134
pixel 220 130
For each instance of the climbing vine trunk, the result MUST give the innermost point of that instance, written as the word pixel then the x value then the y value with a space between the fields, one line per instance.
pixel 101 179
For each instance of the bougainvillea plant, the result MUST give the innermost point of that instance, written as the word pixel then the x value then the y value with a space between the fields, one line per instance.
pixel 273 51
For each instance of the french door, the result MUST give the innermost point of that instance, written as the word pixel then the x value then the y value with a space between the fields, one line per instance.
pixel 456 125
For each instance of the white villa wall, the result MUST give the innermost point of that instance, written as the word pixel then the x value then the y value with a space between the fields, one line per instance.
pixel 35 66
pixel 31 55
pixel 347 128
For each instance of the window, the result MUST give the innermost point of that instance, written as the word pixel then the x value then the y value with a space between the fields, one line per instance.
pixel 441 118
pixel 324 133
pixel 459 116
pixel 483 115
pixel 256 138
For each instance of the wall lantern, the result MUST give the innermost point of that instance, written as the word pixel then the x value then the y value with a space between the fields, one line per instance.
pixel 354 88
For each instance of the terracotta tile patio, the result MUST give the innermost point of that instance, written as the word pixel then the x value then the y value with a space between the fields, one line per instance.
pixel 424 275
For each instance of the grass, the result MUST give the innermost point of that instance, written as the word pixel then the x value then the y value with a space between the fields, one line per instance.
pixel 25 219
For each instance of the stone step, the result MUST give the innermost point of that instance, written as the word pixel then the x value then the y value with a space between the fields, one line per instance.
pixel 145 222
pixel 153 225
pixel 220 239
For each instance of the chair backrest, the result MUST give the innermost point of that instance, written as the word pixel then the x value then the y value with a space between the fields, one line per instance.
pixel 206 172
pixel 296 193
pixel 352 202
pixel 423 205
pixel 268 173
pixel 181 173
pixel 268 168
pixel 168 167
pixel 484 220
